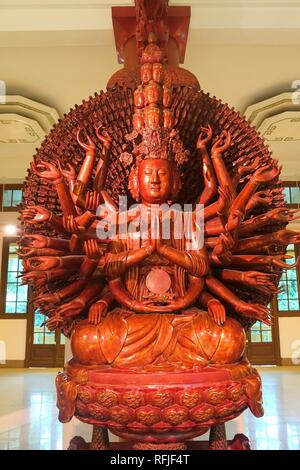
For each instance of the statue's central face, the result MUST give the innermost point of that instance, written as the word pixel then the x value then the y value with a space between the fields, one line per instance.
pixel 155 180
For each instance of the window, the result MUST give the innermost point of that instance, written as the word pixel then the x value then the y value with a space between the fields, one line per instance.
pixel 261 333
pixel 14 296
pixel 11 197
pixel 41 334
pixel 288 299
pixel 292 193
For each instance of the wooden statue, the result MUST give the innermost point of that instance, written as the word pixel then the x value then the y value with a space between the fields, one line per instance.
pixel 157 323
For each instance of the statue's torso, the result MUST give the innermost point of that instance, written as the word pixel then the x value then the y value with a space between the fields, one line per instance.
pixel 154 279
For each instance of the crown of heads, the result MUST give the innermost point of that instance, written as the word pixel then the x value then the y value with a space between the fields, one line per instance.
pixel 153 134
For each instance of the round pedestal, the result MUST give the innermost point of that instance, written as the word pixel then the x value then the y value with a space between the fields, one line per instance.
pixel 161 408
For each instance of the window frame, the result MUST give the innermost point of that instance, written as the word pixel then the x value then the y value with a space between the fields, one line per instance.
pixel 10 187
pixel 4 271
pixel 290 313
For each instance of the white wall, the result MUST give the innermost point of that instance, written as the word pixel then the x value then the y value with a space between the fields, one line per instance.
pixel 13 335
pixel 62 76
pixel 289 329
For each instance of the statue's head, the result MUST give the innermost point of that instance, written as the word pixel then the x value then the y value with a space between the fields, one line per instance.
pixel 154 181
pixel 154 144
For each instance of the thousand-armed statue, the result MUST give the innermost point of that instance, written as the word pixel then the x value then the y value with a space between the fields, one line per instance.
pixel 154 236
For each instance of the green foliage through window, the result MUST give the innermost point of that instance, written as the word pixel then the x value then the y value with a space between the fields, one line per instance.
pixel 261 333
pixel 12 198
pixel 41 334
pixel 288 299
pixel 16 295
pixel 292 194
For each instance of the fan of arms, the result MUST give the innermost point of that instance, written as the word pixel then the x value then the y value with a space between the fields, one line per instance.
pixel 229 171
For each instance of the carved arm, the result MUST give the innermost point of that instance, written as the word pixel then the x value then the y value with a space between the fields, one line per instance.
pixel 41 241
pixel 103 163
pixel 239 205
pixel 41 278
pixel 60 295
pixel 259 262
pixel 278 215
pixel 254 279
pixel 245 309
pixel 220 146
pixel 123 297
pixel 44 263
pixel 49 172
pixel 284 237
pixel 196 263
pixel 210 182
pixel 76 306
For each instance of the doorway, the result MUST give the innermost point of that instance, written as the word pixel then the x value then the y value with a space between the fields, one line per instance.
pixel 263 343
pixel 44 348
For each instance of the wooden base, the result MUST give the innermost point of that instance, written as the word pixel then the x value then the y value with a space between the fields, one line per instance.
pixel 190 445
pixel 217 441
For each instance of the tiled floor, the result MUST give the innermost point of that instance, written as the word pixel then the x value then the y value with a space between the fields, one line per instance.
pixel 28 415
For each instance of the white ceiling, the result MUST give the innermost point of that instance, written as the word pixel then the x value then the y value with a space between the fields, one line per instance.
pixel 278 121
pixel 24 124
pixel 81 22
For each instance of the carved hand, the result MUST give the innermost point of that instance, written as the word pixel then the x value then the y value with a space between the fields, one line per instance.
pixel 246 169
pixel 71 309
pixel 204 137
pixel 282 214
pixel 69 173
pixel 263 198
pixel 45 299
pixel 160 245
pixel 257 311
pixel 155 237
pixel 104 137
pixel 47 171
pixel 235 218
pixel 36 215
pixel 254 278
pixel 97 311
pixel 217 311
pixel 222 143
pixel 285 237
pixel 54 322
pixel 92 200
pixel 41 263
pixel 34 241
pixel 149 306
pixel 90 146
pixel 267 173
pixel 36 278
